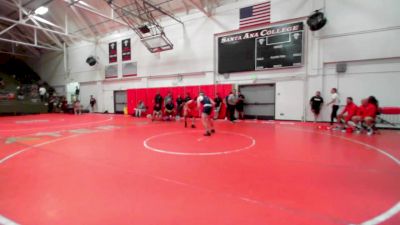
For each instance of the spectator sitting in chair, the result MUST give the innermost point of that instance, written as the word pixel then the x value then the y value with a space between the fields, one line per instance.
pixel 157 113
pixel 169 110
pixel 140 108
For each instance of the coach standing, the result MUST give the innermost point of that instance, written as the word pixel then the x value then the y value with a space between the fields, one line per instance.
pixel 231 104
pixel 335 104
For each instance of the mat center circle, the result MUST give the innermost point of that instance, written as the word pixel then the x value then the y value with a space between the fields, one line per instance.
pixel 194 143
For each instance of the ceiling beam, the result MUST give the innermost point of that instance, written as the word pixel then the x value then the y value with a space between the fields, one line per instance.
pixel 30 44
pixel 96 12
pixel 14 36
pixel 82 20
pixel 163 11
pixel 74 36
pixel 186 6
pixel 200 7
pixel 30 16
pixel 15 53
pixel 7 29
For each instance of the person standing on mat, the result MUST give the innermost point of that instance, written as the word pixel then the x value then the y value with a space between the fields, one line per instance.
pixel 231 102
pixel 158 99
pixel 77 92
pixel 218 104
pixel 316 104
pixel 179 106
pixel 207 104
pixel 335 104
pixel 240 105
pixel 42 93
pixel 92 103
pixel 188 111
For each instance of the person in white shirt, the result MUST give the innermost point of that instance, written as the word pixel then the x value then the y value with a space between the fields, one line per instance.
pixel 42 93
pixel 335 104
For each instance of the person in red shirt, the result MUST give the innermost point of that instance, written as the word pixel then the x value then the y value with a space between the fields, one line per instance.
pixel 370 114
pixel 347 114
pixel 360 115
pixel 189 110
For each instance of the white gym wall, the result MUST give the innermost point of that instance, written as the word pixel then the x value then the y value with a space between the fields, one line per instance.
pixel 363 34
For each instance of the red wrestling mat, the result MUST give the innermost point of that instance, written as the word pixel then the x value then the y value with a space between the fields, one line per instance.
pixel 105 169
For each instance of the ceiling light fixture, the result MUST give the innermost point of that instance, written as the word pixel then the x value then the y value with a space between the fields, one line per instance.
pixel 41 10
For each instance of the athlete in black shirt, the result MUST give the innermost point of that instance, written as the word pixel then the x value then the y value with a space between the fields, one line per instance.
pixel 316 103
pixel 158 99
pixel 207 105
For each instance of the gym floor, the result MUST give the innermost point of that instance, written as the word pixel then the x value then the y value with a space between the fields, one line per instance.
pixel 110 169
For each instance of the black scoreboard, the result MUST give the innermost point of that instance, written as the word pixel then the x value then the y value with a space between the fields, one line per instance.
pixel 273 47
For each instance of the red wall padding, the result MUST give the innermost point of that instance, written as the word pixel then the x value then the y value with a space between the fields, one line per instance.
pixel 147 95
pixel 131 100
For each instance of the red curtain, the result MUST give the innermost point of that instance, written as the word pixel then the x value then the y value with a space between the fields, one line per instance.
pixel 150 94
pixel 147 95
pixel 131 100
pixel 193 91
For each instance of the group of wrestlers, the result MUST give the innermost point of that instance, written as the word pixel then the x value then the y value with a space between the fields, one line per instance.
pixel 188 107
pixel 360 117
pixel 353 117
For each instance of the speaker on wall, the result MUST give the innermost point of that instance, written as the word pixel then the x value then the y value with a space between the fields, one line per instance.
pixel 91 61
pixel 341 67
pixel 316 21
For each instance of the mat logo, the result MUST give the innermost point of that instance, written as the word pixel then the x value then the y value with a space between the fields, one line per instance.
pixel 57 134
pixel 31 121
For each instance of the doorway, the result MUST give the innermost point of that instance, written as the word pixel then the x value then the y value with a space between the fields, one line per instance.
pixel 259 101
pixel 120 101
